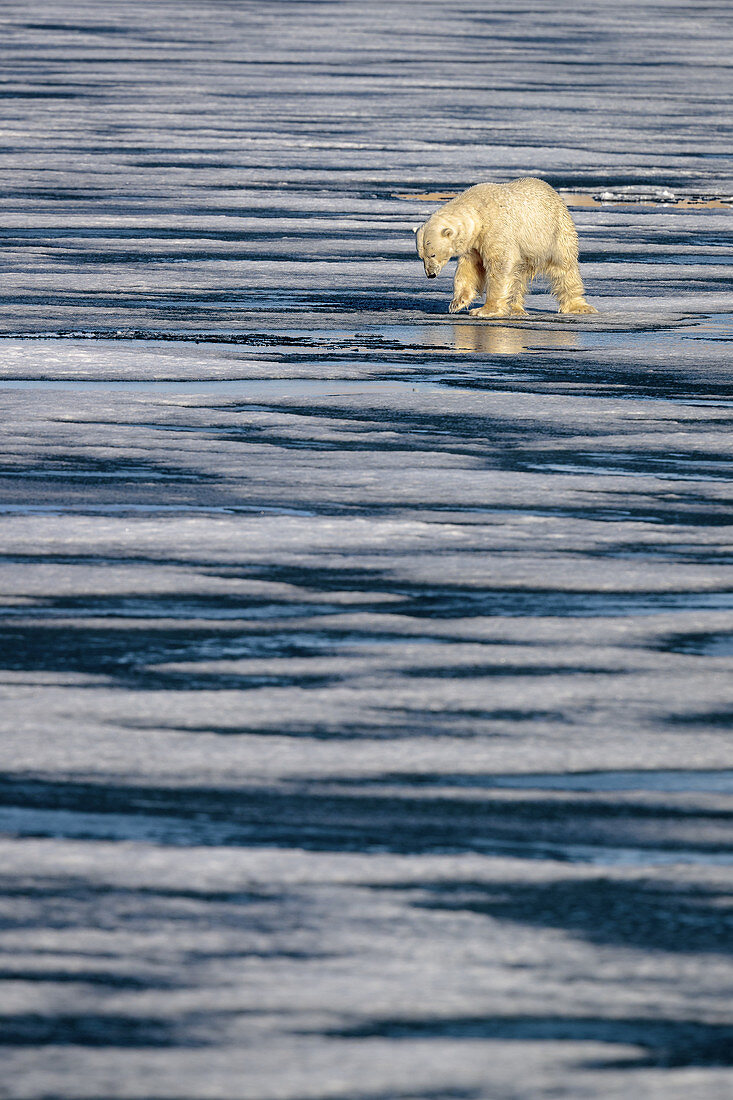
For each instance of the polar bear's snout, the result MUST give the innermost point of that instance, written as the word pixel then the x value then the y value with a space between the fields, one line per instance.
pixel 434 265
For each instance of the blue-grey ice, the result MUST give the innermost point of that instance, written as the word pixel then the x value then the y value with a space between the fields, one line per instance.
pixel 365 672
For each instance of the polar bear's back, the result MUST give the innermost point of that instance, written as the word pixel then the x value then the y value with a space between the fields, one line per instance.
pixel 517 195
pixel 525 211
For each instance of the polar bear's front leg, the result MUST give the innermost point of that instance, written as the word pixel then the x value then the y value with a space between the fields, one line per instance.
pixel 501 283
pixel 469 281
pixel 522 276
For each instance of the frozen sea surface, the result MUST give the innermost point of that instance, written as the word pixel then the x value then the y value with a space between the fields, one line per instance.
pixel 366 672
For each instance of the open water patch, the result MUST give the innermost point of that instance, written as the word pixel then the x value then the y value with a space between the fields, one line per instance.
pixel 717 781
pixel 331 817
pixel 651 916
pixel 713 643
pixel 664 1043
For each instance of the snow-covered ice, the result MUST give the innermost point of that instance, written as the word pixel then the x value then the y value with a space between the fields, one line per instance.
pixel 365 672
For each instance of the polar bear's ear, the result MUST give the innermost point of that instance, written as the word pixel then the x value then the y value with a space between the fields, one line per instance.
pixel 448 232
pixel 416 229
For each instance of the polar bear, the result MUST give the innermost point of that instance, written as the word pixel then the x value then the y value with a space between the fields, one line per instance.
pixel 504 234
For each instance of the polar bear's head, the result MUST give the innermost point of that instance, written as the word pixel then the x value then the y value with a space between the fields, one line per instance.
pixel 435 242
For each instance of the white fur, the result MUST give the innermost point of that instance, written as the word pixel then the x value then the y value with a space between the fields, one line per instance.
pixel 504 234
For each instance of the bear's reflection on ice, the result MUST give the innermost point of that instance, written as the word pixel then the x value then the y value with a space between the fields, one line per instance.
pixel 496 339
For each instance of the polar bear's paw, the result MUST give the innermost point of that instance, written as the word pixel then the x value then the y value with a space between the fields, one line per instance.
pixel 518 311
pixel 458 304
pixel 490 311
pixel 578 306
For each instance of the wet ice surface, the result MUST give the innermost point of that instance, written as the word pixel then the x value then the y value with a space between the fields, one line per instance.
pixel 366 672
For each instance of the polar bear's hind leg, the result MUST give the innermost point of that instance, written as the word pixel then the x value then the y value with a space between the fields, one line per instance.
pixel 567 286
